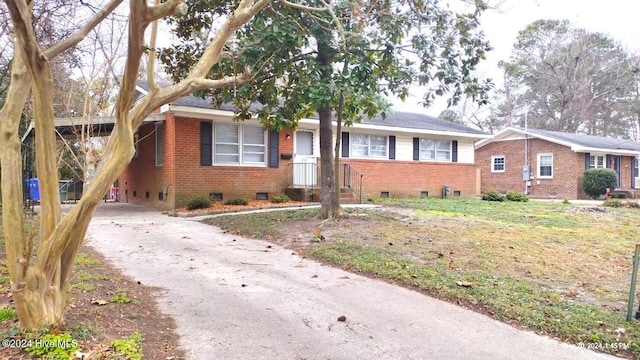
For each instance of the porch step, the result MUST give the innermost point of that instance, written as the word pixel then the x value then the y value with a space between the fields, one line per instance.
pixel 347 196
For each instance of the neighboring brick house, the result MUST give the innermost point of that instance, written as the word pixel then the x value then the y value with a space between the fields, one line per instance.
pixel 555 161
pixel 197 150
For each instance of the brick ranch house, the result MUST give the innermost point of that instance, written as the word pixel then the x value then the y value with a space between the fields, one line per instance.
pixel 193 149
pixel 555 162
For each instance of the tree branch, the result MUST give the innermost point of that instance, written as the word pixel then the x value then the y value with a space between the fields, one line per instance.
pixel 73 40
pixel 152 53
pixel 304 7
pixel 159 11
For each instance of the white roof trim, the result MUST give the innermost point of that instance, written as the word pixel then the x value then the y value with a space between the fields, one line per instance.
pixel 584 149
pixel 396 129
pixel 187 111
pixel 499 136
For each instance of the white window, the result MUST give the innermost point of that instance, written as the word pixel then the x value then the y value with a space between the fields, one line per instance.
pixel 435 150
pixel 159 144
pixel 596 161
pixel 304 143
pixel 368 146
pixel 545 166
pixel 254 144
pixel 497 163
pixel 239 144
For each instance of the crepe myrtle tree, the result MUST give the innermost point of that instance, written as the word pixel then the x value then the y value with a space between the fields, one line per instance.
pixel 338 59
pixel 40 274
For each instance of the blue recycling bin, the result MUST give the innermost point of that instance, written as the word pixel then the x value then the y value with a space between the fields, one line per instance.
pixel 34 189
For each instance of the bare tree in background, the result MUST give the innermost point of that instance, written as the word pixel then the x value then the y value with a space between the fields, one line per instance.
pixel 40 283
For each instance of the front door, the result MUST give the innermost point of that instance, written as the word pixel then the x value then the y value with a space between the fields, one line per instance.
pixel 305 162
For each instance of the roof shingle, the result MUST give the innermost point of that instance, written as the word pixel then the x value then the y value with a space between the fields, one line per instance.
pixel 398 119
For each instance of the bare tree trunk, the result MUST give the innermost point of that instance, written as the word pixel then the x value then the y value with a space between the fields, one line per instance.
pixel 40 285
pixel 18 251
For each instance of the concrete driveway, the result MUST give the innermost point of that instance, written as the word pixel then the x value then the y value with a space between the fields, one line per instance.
pixel 238 298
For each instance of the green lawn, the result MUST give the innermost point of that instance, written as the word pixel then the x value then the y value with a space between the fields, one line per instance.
pixel 559 269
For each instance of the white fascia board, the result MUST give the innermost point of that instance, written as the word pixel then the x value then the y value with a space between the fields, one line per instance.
pixel 188 111
pixel 505 133
pixel 499 136
pixel 483 142
pixel 142 90
pixel 396 130
pixel 622 152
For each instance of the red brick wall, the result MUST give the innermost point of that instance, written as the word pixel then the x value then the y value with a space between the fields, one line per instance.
pixel 142 175
pixel 232 181
pixel 568 167
pixel 182 173
pixel 410 178
pixel 185 177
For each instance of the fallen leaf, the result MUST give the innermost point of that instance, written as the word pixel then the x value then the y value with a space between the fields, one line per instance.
pixel 82 355
pixel 99 302
pixel 464 283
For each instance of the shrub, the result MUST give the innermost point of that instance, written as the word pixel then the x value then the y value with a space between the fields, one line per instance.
pixel 280 198
pixel 615 203
pixel 596 181
pixel 198 202
pixel 492 195
pixel 236 201
pixel 516 196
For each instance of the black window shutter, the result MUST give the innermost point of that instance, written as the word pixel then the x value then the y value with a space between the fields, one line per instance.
pixel 206 146
pixel 633 173
pixel 416 149
pixel 392 147
pixel 587 160
pixel 345 144
pixel 608 161
pixel 274 148
pixel 454 151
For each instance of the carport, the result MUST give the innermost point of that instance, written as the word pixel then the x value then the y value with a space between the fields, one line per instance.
pixel 67 128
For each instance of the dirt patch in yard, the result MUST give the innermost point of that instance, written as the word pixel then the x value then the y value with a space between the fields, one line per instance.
pixel 558 258
pixel 104 305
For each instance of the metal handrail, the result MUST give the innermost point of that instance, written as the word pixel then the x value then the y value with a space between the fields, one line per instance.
pixel 306 175
pixel 352 179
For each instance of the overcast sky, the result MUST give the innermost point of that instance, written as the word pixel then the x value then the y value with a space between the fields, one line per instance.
pixel 617 18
